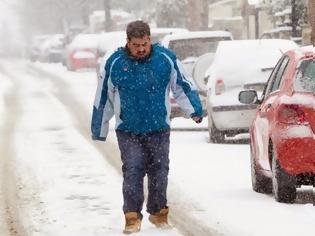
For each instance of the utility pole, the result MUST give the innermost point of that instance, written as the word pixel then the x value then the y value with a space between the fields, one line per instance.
pixel 108 21
pixel 245 16
pixel 294 18
pixel 254 10
pixel 256 13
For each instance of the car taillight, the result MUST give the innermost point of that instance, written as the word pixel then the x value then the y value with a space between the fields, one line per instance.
pixel 219 87
pixel 291 114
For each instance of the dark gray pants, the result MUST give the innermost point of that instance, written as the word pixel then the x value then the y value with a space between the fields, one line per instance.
pixel 140 155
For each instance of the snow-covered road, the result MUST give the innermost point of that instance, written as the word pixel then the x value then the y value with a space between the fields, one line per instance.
pixel 68 185
pixel 7 181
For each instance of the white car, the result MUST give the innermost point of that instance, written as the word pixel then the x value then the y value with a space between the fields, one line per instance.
pixel 239 65
pixel 157 34
pixel 109 40
pixel 108 43
pixel 189 47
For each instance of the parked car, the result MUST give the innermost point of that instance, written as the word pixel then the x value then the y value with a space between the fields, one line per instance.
pixel 52 49
pixel 189 46
pixel 82 52
pixel 237 65
pixel 108 42
pixel 282 133
pixel 157 34
pixel 35 45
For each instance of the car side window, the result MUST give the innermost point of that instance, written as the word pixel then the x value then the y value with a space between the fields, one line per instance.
pixel 271 79
pixel 275 77
pixel 279 75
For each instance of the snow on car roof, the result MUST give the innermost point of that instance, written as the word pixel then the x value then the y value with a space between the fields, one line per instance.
pixel 309 48
pixel 270 43
pixel 85 41
pixel 109 40
pixel 167 30
pixel 157 34
pixel 302 51
pixel 234 51
pixel 195 34
pixel 251 55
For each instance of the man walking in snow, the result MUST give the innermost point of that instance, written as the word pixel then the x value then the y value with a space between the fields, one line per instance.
pixel 135 86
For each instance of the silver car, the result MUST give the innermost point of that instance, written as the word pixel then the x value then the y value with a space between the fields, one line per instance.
pixel 189 46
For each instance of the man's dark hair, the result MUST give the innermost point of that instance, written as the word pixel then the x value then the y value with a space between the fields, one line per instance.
pixel 137 29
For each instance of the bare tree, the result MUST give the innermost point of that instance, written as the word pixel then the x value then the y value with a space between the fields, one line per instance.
pixel 311 16
pixel 171 13
pixel 198 11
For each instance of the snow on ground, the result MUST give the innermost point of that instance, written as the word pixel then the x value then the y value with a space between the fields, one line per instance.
pixel 218 178
pixel 5 87
pixel 214 180
pixel 69 173
pixel 67 187
pixel 79 193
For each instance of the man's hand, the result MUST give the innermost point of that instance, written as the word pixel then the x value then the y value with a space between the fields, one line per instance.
pixel 197 119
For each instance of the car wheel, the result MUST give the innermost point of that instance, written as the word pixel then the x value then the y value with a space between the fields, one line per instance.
pixel 284 185
pixel 215 135
pixel 260 182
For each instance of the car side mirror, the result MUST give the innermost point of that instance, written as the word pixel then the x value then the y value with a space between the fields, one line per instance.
pixel 248 97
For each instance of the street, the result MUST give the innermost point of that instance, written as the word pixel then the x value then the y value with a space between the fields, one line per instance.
pixel 56 181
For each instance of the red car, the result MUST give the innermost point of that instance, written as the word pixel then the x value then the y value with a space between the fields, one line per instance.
pixel 82 52
pixel 282 135
pixel 81 59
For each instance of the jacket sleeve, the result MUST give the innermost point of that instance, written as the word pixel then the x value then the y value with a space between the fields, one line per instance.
pixel 103 109
pixel 185 92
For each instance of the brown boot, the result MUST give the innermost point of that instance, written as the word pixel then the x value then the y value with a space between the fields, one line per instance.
pixel 133 223
pixel 159 219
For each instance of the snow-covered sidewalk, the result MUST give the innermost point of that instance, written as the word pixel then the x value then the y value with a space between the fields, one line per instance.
pixel 66 187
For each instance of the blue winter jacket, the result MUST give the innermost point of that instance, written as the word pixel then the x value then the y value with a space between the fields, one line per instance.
pixel 137 92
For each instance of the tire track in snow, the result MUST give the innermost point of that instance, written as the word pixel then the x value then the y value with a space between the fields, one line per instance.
pixel 8 181
pixel 180 215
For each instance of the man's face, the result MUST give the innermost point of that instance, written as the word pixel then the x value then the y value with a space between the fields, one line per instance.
pixel 140 47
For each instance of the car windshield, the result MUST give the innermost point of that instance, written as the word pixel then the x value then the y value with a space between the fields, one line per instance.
pixel 185 48
pixel 305 78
